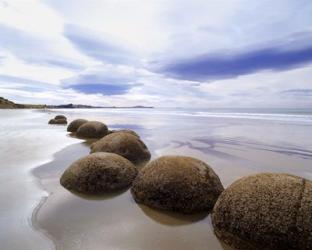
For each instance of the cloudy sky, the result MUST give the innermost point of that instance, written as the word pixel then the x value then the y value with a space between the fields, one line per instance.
pixel 166 53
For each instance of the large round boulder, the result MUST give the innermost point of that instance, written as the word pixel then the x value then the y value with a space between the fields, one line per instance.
pixel 75 124
pixel 58 121
pixel 92 129
pixel 177 183
pixel 99 173
pixel 124 144
pixel 265 211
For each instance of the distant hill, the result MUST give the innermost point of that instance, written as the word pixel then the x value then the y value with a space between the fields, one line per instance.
pixel 7 104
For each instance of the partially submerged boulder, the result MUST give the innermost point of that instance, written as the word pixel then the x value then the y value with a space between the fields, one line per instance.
pixel 75 124
pixel 124 144
pixel 92 129
pixel 60 117
pixel 58 121
pixel 177 183
pixel 265 211
pixel 99 173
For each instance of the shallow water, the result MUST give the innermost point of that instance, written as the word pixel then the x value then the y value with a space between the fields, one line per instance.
pixel 234 142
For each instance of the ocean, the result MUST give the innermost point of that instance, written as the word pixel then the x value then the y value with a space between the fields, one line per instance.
pixel 35 212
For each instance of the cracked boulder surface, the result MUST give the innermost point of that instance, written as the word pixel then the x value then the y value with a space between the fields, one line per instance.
pixel 177 183
pixel 75 124
pixel 99 173
pixel 92 129
pixel 265 211
pixel 125 144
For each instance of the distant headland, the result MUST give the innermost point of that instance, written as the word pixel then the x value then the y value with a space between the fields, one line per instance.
pixel 7 104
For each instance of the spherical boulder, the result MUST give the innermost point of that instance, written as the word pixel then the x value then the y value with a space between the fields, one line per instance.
pixel 265 211
pixel 75 124
pixel 60 117
pixel 124 144
pixel 58 121
pixel 92 129
pixel 99 173
pixel 177 183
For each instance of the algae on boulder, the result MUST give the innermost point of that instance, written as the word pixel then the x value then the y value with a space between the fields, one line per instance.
pixel 92 129
pixel 177 183
pixel 124 144
pixel 99 173
pixel 265 211
pixel 75 124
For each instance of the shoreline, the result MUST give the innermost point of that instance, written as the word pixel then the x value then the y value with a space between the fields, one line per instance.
pixel 60 201
pixel 117 222
pixel 34 223
pixel 33 220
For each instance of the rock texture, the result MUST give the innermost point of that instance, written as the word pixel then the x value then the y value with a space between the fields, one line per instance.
pixel 177 183
pixel 58 121
pixel 99 173
pixel 60 117
pixel 75 124
pixel 129 131
pixel 265 211
pixel 124 144
pixel 92 129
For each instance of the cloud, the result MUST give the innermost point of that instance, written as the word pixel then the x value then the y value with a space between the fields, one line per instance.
pixel 298 92
pixel 34 49
pixel 229 65
pixel 19 83
pixel 252 53
pixel 14 79
pixel 96 45
pixel 100 88
pixel 104 79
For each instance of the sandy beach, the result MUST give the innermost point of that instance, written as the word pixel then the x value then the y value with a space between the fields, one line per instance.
pixel 155 125
pixel 234 146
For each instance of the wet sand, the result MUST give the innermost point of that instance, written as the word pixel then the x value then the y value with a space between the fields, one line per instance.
pixel 114 221
pixel 26 141
pixel 233 148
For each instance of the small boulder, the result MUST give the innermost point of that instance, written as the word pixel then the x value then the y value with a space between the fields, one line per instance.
pixel 60 117
pixel 75 124
pixel 124 144
pixel 265 211
pixel 177 183
pixel 92 129
pixel 99 173
pixel 58 121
